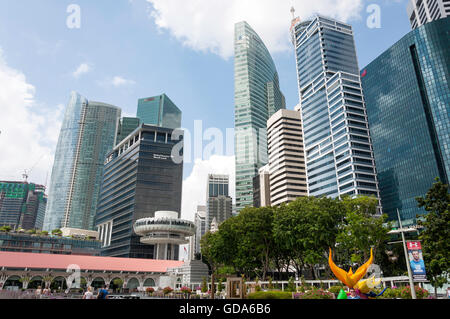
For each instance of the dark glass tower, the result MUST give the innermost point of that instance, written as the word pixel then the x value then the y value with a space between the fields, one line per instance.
pixel 159 111
pixel 142 175
pixel 408 105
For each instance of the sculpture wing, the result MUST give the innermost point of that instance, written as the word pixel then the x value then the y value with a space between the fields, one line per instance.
pixel 363 269
pixel 338 272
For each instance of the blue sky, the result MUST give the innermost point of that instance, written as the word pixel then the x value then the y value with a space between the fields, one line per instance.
pixel 131 49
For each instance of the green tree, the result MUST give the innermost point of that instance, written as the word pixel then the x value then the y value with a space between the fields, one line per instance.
pixel 118 284
pixel 306 228
pixel 256 244
pixel 362 229
pixel 211 247
pixel 245 242
pixel 436 234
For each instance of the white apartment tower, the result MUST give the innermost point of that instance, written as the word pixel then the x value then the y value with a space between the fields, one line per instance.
pixel 286 157
pixel 424 11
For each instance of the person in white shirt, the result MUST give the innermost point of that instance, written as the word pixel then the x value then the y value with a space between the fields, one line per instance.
pixel 88 294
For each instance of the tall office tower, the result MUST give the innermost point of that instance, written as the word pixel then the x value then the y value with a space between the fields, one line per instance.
pixel 408 105
pixel 159 111
pixel 261 187
pixel 87 134
pixel 219 205
pixel 424 11
pixel 143 174
pixel 200 226
pixel 22 205
pixel 126 126
pixel 339 157
pixel 257 97
pixel 286 157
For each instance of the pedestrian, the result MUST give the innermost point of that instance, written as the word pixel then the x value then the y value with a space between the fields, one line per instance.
pixel 103 293
pixel 88 294
pixel 448 292
pixel 38 292
pixel 46 291
pixel 353 295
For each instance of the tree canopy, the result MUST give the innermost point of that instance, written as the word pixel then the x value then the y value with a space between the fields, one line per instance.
pixel 296 235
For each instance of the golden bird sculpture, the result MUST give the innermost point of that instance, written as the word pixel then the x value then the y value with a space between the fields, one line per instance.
pixel 349 278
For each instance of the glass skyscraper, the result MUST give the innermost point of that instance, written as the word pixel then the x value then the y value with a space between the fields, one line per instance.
pixel 88 132
pixel 159 111
pixel 408 105
pixel 22 205
pixel 126 126
pixel 338 147
pixel 142 175
pixel 257 97
pixel 219 204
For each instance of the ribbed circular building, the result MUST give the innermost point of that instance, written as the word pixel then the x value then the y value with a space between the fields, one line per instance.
pixel 165 231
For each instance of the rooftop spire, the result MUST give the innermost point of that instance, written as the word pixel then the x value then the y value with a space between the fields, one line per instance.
pixel 293 12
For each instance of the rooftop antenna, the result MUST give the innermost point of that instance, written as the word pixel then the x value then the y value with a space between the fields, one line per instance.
pixel 25 175
pixel 293 12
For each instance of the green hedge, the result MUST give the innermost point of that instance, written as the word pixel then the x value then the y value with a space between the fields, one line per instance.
pixel 270 295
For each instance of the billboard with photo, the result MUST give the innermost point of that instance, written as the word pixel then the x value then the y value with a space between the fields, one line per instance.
pixel 416 261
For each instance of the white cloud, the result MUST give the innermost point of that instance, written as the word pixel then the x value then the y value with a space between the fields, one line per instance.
pixel 82 69
pixel 116 81
pixel 29 130
pixel 208 26
pixel 194 186
pixel 120 81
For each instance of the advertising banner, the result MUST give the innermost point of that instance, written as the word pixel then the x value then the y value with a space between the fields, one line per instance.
pixel 416 261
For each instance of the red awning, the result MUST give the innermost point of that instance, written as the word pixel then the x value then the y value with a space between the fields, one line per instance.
pixel 54 261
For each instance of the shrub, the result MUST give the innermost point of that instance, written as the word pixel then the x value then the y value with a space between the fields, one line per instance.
pixel 150 290
pixel 336 289
pixel 390 293
pixel 405 293
pixel 167 290
pixel 304 288
pixel 204 285
pixel 270 283
pixel 186 290
pixel 274 294
pixel 314 294
pixel 5 229
pixel 220 285
pixel 291 285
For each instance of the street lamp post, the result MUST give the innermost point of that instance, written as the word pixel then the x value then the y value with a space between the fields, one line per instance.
pixel 411 282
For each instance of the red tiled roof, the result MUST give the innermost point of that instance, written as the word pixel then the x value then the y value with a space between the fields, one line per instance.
pixel 54 261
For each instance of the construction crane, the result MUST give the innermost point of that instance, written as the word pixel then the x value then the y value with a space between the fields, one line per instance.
pixel 26 173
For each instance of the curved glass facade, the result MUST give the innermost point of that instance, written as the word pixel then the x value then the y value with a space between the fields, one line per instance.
pixel 257 97
pixel 408 105
pixel 88 132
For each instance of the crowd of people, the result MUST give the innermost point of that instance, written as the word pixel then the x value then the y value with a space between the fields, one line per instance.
pixel 102 293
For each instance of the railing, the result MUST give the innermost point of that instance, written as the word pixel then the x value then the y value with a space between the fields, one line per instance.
pixel 386 282
pixel 30 294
